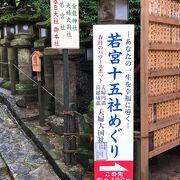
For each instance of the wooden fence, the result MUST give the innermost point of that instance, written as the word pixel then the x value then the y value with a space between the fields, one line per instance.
pixel 160 78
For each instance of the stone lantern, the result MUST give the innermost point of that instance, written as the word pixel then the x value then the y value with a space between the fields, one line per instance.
pixel 43 32
pixel 115 11
pixel 8 35
pixel 24 20
pixel 22 34
pixel 23 30
pixel 44 35
pixel 8 31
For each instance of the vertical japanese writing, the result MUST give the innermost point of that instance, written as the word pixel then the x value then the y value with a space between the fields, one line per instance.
pixel 55 6
pixel 128 80
pixel 101 100
pixel 100 58
pixel 115 95
pixel 68 17
pixel 113 101
pixel 65 23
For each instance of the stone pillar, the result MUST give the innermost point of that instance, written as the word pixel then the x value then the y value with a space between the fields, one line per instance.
pixel 4 66
pixel 59 91
pixel 12 59
pixel 53 74
pixel 49 82
pixel 49 74
pixel 74 57
pixel 23 46
pixel 24 63
pixel 0 61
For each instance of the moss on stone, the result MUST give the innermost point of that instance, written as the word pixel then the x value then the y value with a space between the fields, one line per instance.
pixel 24 86
pixel 44 23
pixel 8 18
pixel 91 108
pixel 6 85
pixel 27 17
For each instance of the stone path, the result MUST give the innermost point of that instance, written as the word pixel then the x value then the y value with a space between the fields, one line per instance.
pixel 4 174
pixel 23 159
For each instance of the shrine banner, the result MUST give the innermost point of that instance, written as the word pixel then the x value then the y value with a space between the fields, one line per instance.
pixel 113 47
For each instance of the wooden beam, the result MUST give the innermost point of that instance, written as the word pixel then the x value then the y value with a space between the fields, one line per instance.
pixel 167 97
pixel 144 90
pixel 164 72
pixel 164 123
pixel 164 20
pixel 164 148
pixel 164 46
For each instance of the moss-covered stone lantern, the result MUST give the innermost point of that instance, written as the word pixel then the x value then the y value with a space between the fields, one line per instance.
pixel 43 32
pixel 23 29
pixel 8 34
pixel 44 35
pixel 24 19
pixel 8 30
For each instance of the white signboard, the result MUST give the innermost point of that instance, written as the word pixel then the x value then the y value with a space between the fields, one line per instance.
pixel 113 100
pixel 65 24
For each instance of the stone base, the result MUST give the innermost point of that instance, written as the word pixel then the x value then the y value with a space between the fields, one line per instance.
pixel 26 89
pixel 86 158
pixel 57 124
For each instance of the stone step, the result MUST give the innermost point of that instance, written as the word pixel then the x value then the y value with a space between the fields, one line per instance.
pixel 56 123
pixel 24 161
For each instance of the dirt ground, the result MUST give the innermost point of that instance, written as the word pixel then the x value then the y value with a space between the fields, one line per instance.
pixel 166 166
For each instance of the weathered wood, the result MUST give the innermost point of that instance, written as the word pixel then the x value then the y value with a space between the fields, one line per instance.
pixel 144 91
pixel 164 123
pixel 164 148
pixel 159 40
pixel 164 20
pixel 67 156
pixel 164 72
pixel 163 46
pixel 166 97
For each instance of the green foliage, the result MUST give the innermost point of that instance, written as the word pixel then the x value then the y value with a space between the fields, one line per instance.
pixel 42 6
pixel 88 10
pixel 134 13
pixel 88 13
pixel 27 17
pixel 91 107
pixel 46 23
pixel 6 85
pixel 88 16
pixel 25 86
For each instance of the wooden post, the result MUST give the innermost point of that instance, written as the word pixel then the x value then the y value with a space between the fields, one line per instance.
pixel 12 77
pixel 67 156
pixel 36 66
pixel 40 100
pixel 69 120
pixel 144 90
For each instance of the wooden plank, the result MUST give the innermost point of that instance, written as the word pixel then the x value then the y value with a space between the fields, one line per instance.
pixel 164 20
pixel 164 72
pixel 163 46
pixel 164 123
pixel 144 90
pixel 164 148
pixel 163 98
